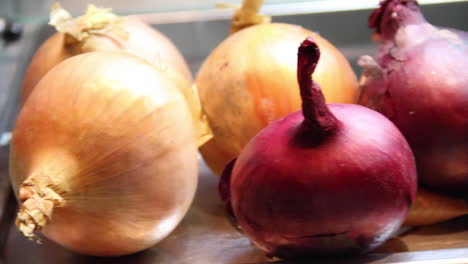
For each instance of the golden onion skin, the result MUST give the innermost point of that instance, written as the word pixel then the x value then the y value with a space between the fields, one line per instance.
pixel 108 134
pixel 250 80
pixel 141 40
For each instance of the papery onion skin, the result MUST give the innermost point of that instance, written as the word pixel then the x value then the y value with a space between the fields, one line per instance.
pixel 112 136
pixel 418 78
pixel 333 179
pixel 431 208
pixel 141 40
pixel 249 81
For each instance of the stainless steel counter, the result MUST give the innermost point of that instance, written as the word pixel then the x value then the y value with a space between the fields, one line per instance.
pixel 207 236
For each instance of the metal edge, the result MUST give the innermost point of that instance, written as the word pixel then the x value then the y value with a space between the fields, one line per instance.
pixel 280 9
pixel 7 120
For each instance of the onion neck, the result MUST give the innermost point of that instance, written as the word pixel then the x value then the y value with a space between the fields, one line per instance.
pixel 37 205
pixel 318 118
pixel 394 14
pixel 248 15
pixel 95 22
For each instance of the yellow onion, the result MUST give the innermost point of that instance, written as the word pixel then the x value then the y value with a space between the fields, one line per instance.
pixel 103 155
pixel 101 30
pixel 249 81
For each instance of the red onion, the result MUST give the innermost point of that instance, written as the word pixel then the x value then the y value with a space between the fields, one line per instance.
pixel 419 79
pixel 336 178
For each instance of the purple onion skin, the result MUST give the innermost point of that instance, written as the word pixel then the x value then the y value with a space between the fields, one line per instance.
pixel 419 80
pixel 298 190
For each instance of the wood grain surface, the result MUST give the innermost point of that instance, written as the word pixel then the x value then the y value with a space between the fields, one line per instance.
pixel 206 235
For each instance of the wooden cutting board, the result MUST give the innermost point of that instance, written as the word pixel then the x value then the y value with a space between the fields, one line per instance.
pixel 207 236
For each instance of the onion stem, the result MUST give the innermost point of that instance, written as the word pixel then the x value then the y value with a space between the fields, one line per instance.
pixel 247 15
pixel 392 14
pixel 96 21
pixel 317 115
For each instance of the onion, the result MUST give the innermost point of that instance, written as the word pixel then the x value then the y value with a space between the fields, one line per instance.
pixel 418 79
pixel 249 81
pixel 100 30
pixel 336 178
pixel 103 155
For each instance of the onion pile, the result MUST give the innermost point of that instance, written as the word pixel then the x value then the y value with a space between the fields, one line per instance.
pixel 249 81
pixel 104 155
pixel 418 79
pixel 336 178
